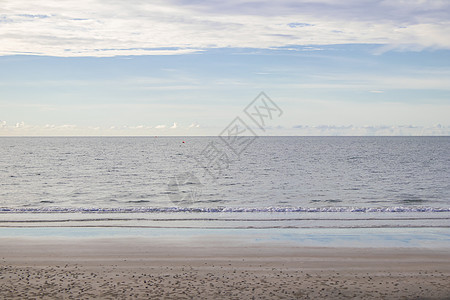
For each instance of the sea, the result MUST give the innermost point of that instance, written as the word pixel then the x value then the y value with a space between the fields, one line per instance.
pixel 256 183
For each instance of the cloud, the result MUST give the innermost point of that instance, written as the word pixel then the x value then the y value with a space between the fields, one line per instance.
pixel 194 125
pixel 23 129
pixel 408 11
pixel 379 130
pixel 297 130
pixel 110 28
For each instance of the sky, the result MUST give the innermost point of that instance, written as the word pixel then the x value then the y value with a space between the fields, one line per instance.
pixel 187 67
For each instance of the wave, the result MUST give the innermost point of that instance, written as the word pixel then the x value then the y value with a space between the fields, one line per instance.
pixel 396 209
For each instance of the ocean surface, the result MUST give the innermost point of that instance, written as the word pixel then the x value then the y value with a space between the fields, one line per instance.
pixel 207 182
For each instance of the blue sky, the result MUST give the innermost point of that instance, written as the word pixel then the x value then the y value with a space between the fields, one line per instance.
pixel 188 68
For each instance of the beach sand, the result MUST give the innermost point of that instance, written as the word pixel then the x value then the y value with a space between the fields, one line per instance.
pixel 155 268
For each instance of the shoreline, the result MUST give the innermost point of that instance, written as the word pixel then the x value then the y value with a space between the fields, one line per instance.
pixel 205 267
pixel 427 237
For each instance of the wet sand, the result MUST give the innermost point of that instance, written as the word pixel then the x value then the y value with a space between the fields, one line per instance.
pixel 150 268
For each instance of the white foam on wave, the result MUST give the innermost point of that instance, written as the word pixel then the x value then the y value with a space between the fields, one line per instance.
pixel 395 209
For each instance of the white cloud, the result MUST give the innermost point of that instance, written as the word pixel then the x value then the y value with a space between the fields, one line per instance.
pixel 110 28
pixel 68 126
pixel 194 125
pixel 23 129
pixel 381 130
pixel 298 130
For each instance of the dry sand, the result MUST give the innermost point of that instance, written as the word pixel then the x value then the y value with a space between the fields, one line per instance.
pixel 150 268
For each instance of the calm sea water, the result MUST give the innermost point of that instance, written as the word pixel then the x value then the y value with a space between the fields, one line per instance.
pixel 42 179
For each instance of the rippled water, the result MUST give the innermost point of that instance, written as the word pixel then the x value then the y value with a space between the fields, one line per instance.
pixel 144 174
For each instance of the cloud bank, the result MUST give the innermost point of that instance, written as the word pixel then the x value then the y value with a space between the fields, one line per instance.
pixel 23 129
pixel 383 130
pixel 109 28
